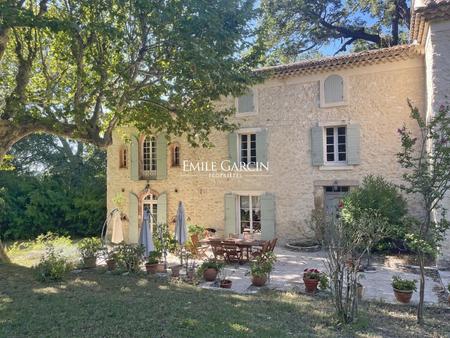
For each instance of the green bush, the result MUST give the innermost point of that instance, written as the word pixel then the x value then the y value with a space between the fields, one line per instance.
pixel 382 198
pixel 403 284
pixel 90 247
pixel 52 266
pixel 130 257
pixel 263 264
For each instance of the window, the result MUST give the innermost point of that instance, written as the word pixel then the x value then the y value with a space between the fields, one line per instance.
pixel 250 214
pixel 149 156
pixel 150 203
pixel 335 144
pixel 332 91
pixel 246 103
pixel 247 147
pixel 336 189
pixel 175 155
pixel 123 157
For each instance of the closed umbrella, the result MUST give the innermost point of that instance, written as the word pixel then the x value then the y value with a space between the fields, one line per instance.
pixel 180 226
pixel 117 228
pixel 145 237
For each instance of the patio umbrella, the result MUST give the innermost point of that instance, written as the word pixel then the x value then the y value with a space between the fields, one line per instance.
pixel 180 226
pixel 145 237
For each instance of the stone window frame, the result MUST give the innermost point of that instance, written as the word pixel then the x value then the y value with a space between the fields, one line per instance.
pixel 152 173
pixel 123 157
pixel 319 190
pixel 174 162
pixel 336 161
pixel 344 102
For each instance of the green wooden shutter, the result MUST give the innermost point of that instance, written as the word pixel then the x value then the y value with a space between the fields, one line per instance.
pixel 317 145
pixel 162 209
pixel 161 157
pixel 353 144
pixel 245 103
pixel 267 216
pixel 133 226
pixel 261 146
pixel 232 147
pixel 134 158
pixel 230 214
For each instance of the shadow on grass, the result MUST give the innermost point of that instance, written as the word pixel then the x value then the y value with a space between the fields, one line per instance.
pixel 97 304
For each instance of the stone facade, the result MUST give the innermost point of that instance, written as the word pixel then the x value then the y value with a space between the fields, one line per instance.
pixel 376 99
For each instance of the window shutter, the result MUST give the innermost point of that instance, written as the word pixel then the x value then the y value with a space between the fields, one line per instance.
pixel 317 145
pixel 134 158
pixel 261 146
pixel 162 209
pixel 230 214
pixel 353 144
pixel 267 216
pixel 334 89
pixel 161 157
pixel 232 147
pixel 133 226
pixel 245 103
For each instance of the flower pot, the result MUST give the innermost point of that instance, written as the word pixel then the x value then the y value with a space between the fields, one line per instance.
pixel 111 264
pixel 154 268
pixel 403 296
pixel 226 284
pixel 90 262
pixel 310 284
pixel 259 280
pixel 210 274
pixel 176 270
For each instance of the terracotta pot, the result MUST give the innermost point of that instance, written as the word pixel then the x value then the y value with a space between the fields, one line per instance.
pixel 403 296
pixel 90 262
pixel 176 270
pixel 210 274
pixel 259 280
pixel 111 264
pixel 310 284
pixel 154 268
pixel 226 284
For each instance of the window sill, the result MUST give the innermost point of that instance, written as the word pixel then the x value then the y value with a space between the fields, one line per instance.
pixel 336 167
pixel 333 104
pixel 246 114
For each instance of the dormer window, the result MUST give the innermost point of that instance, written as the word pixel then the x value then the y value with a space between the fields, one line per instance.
pixel 246 104
pixel 332 91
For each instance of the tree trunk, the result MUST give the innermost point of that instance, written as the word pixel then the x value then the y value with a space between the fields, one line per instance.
pixel 3 257
pixel 422 289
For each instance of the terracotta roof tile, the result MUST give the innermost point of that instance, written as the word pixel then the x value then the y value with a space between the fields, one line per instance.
pixel 433 10
pixel 342 61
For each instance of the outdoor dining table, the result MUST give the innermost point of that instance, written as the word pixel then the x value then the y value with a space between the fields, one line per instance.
pixel 245 245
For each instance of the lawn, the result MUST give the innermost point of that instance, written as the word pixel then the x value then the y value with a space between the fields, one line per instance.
pixel 98 304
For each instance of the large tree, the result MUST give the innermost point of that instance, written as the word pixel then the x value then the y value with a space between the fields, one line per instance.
pixel 295 27
pixel 79 68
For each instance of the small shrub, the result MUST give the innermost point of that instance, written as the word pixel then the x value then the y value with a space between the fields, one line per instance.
pixel 209 264
pixel 154 257
pixel 403 284
pixel 263 264
pixel 130 256
pixel 168 238
pixel 90 247
pixel 52 266
pixel 311 274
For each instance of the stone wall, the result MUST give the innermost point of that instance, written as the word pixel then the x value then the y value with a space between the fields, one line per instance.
pixel 288 108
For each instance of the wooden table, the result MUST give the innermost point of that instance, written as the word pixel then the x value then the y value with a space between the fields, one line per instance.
pixel 244 244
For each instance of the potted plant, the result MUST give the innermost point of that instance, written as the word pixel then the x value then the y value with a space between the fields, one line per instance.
pixel 111 259
pixel 225 283
pixel 90 249
pixel 403 288
pixel 311 278
pixel 261 267
pixel 176 270
pixel 209 269
pixel 153 264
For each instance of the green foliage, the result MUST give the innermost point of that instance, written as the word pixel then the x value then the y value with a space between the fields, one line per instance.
pixel 168 239
pixel 263 264
pixel 300 28
pixel 324 282
pixel 194 229
pixel 403 284
pixel 90 247
pixel 376 199
pixel 6 163
pixel 52 266
pixel 154 257
pixel 58 187
pixel 130 257
pixel 41 242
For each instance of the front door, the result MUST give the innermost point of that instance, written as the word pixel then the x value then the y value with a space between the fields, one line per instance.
pixel 333 197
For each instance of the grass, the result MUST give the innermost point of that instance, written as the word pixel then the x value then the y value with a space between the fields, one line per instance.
pixel 97 304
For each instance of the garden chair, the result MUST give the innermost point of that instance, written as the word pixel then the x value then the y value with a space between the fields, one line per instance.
pixel 273 243
pixel 217 249
pixel 232 253
pixel 265 248
pixel 198 250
